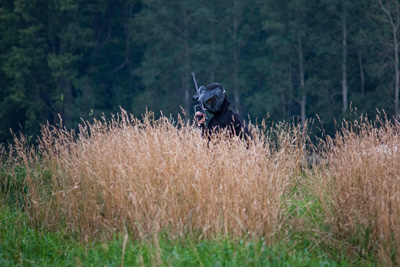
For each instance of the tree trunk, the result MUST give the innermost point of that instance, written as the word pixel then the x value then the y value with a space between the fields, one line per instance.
pixel 303 110
pixel 236 59
pixel 185 74
pixel 361 73
pixel 213 54
pixel 344 62
pixel 393 19
pixel 302 101
pixel 126 62
pixel 397 73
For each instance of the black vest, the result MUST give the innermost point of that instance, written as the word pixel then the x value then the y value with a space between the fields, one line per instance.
pixel 226 118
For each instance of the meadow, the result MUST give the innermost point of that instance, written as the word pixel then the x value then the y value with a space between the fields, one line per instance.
pixel 154 192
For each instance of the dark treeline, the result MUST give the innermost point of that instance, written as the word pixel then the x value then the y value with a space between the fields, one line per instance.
pixel 293 58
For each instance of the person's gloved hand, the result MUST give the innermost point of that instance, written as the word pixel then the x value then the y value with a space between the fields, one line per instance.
pixel 199 117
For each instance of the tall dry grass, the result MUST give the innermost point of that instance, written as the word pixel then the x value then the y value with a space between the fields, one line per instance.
pixel 359 187
pixel 150 176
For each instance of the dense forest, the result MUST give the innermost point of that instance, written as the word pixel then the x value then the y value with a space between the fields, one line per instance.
pixel 292 59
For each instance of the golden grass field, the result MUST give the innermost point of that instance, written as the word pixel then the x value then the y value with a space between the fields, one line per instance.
pixel 148 176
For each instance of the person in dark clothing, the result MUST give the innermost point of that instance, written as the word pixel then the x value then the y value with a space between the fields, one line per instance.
pixel 216 102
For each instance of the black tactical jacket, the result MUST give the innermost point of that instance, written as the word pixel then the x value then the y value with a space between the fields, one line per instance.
pixel 226 118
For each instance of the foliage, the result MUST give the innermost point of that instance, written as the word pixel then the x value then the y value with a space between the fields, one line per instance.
pixel 287 60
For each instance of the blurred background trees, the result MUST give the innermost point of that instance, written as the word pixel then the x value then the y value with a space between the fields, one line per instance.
pixel 291 59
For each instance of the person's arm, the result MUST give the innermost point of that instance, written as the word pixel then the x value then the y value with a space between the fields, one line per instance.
pixel 240 127
pixel 200 119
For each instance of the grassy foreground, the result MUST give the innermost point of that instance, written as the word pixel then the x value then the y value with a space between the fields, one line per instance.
pixel 153 192
pixel 20 245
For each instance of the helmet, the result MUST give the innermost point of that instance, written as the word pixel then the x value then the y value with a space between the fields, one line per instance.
pixel 213 97
pixel 196 96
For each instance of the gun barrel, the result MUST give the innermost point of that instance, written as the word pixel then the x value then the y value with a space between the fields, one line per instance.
pixel 201 104
pixel 195 83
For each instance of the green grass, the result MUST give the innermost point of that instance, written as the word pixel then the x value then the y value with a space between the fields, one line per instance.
pixel 23 245
pixel 20 245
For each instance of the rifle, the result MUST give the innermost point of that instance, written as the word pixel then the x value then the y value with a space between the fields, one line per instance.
pixel 200 106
